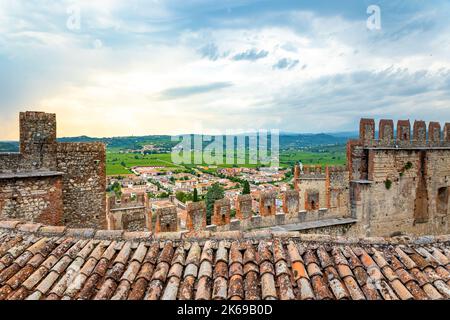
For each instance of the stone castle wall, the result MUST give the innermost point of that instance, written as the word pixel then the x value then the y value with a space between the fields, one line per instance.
pixel 32 199
pixel 75 198
pixel 84 183
pixel 400 185
pixel 129 214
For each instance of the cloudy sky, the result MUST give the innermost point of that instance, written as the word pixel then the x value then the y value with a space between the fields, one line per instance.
pixel 110 68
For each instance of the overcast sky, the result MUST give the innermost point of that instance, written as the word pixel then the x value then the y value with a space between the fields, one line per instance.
pixel 169 67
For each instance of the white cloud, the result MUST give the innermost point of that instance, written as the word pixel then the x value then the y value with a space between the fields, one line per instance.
pixel 108 78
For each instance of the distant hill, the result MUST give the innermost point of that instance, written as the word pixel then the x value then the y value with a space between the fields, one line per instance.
pixel 9 146
pixel 288 141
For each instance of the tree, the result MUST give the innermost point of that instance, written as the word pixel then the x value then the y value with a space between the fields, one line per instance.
pixel 246 189
pixel 215 192
pixel 195 197
pixel 117 188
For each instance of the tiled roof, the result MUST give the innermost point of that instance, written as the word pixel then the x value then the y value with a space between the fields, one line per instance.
pixel 38 262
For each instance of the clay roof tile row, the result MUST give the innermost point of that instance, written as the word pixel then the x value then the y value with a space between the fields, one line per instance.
pixel 39 266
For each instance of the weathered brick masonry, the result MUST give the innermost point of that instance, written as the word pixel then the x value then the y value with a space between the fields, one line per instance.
pixel 50 182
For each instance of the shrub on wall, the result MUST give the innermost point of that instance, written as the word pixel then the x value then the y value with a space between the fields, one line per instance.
pixel 388 184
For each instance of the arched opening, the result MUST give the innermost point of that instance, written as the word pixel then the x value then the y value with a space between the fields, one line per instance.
pixel 442 201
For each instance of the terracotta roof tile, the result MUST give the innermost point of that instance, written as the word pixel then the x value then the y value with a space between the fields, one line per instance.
pixel 306 291
pixel 101 267
pixel 171 290
pixel 176 270
pixel 321 288
pixel 285 287
pixel 439 256
pixel 268 289
pixel 432 292
pixel 75 285
pixel 152 253
pixel 443 288
pixel 186 291
pixel 314 270
pixel 48 282
pixel 34 278
pixel 251 287
pixel 179 256
pixel 222 253
pixel 34 266
pixel 294 255
pixel 122 291
pixel 236 287
pixel 236 269
pixel 353 289
pixel 235 254
pixel 416 291
pixel 138 289
pixel 278 251
pixel 88 288
pixel 220 270
pixel 107 290
pixel 385 290
pixel 207 252
pixel 405 259
pixel 203 289
pixel 131 271
pixel 251 267
pixel 167 253
pixel 404 276
pixel 220 287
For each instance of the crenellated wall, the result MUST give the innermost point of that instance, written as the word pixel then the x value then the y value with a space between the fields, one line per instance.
pixel 129 214
pixel 69 176
pixel 221 214
pixel 399 183
pixel 320 187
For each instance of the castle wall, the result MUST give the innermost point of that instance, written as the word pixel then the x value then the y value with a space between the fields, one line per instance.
pixel 244 206
pixel 131 215
pixel 221 214
pixel 166 219
pixel 9 162
pixel 84 183
pixel 408 183
pixel 309 188
pixel 78 195
pixel 338 189
pixel 35 199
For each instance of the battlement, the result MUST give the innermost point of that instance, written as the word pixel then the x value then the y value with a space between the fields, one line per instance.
pixel 333 169
pixel 81 147
pixel 312 169
pixel 127 201
pixel 420 137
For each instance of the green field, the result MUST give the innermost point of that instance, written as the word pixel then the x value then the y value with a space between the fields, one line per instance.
pixel 118 163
